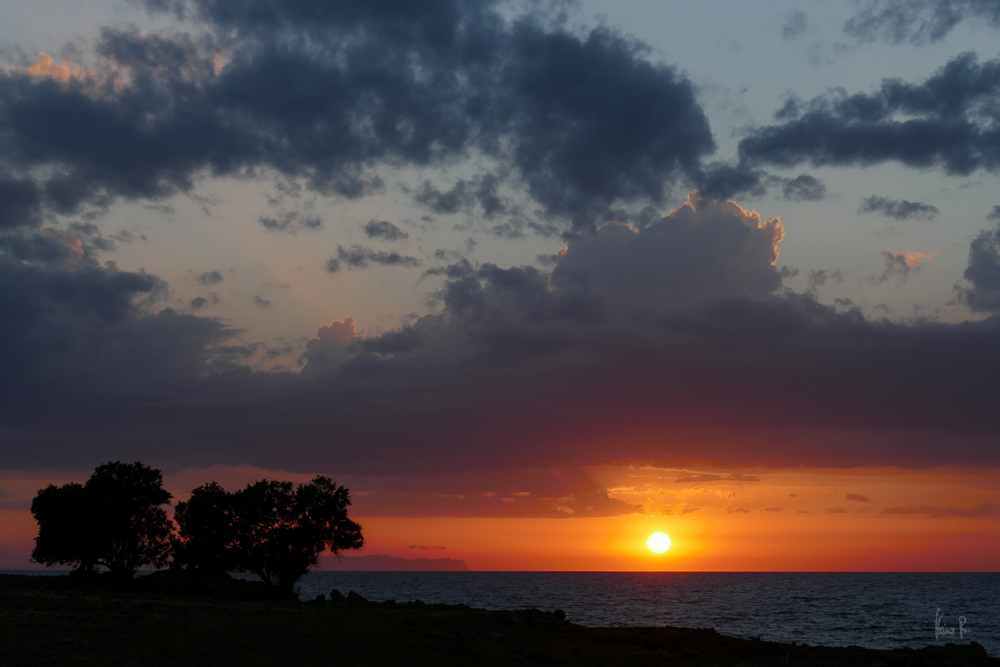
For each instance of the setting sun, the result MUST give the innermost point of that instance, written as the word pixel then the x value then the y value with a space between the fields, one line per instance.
pixel 658 543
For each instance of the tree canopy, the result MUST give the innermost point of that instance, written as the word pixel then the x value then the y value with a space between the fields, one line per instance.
pixel 115 521
pixel 270 528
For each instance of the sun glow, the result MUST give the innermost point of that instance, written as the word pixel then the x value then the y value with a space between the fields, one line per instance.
pixel 658 543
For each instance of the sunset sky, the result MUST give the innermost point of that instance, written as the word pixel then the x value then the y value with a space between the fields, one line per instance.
pixel 533 279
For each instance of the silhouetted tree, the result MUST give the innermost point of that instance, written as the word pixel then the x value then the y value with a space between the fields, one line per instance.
pixel 64 535
pixel 277 531
pixel 207 539
pixel 114 520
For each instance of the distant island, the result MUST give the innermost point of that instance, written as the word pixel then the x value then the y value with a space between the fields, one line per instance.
pixel 376 563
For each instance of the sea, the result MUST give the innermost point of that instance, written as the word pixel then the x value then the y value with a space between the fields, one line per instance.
pixel 875 610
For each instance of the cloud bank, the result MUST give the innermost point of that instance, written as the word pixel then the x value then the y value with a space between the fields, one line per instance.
pixel 670 342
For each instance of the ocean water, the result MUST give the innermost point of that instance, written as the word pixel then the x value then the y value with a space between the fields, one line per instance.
pixel 876 610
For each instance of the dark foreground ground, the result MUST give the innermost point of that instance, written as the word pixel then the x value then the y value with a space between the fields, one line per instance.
pixel 55 621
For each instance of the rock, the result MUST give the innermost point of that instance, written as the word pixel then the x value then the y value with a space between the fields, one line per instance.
pixel 337 596
pixel 354 598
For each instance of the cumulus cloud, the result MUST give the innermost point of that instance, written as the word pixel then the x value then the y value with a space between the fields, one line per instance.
pixel 383 229
pixel 917 21
pixel 705 247
pixel 900 209
pixel 332 346
pixel 360 257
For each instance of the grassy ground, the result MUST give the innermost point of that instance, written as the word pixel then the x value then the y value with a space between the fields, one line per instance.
pixel 54 621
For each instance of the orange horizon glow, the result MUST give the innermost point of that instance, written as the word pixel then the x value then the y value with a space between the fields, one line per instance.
pixel 718 520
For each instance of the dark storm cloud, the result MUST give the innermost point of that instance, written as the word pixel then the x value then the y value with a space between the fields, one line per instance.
pixel 20 202
pixel 75 326
pixel 949 121
pixel 983 273
pixel 383 229
pixel 327 93
pixel 670 342
pixel 918 21
pixel 359 257
pixel 727 181
pixel 900 209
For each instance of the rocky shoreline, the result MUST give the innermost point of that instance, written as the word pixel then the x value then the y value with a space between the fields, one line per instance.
pixel 56 621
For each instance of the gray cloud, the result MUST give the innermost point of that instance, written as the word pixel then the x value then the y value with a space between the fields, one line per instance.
pixel 290 222
pixel 580 122
pixel 794 26
pixel 947 121
pixel 917 21
pixel 465 195
pixel 803 188
pixel 210 278
pixel 359 257
pixel 76 325
pixel 383 229
pixel 704 247
pixel 900 209
pixel 983 272
pixel 670 342
pixel 899 265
